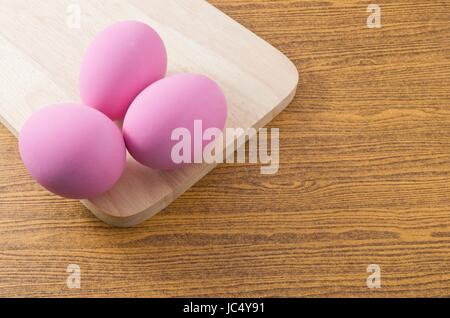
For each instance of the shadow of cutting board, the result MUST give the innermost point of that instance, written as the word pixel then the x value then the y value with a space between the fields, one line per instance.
pixel 41 48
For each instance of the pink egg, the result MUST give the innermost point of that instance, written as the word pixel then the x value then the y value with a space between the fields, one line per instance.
pixel 174 102
pixel 73 150
pixel 121 61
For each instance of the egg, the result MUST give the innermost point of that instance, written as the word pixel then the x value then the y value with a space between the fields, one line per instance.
pixel 121 61
pixel 188 102
pixel 73 150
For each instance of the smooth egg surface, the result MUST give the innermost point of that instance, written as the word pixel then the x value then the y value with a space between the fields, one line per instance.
pixel 121 61
pixel 73 150
pixel 174 102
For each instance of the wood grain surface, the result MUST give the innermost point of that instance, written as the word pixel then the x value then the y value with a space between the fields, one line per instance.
pixel 364 179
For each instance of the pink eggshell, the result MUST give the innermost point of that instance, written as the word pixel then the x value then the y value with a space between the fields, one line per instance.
pixel 73 150
pixel 121 61
pixel 174 102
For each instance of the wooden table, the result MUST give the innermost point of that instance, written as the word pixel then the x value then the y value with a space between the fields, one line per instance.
pixel 364 179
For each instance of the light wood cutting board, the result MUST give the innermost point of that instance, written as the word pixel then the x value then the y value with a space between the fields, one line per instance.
pixel 41 48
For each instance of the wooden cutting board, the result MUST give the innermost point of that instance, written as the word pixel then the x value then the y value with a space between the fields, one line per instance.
pixel 41 47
